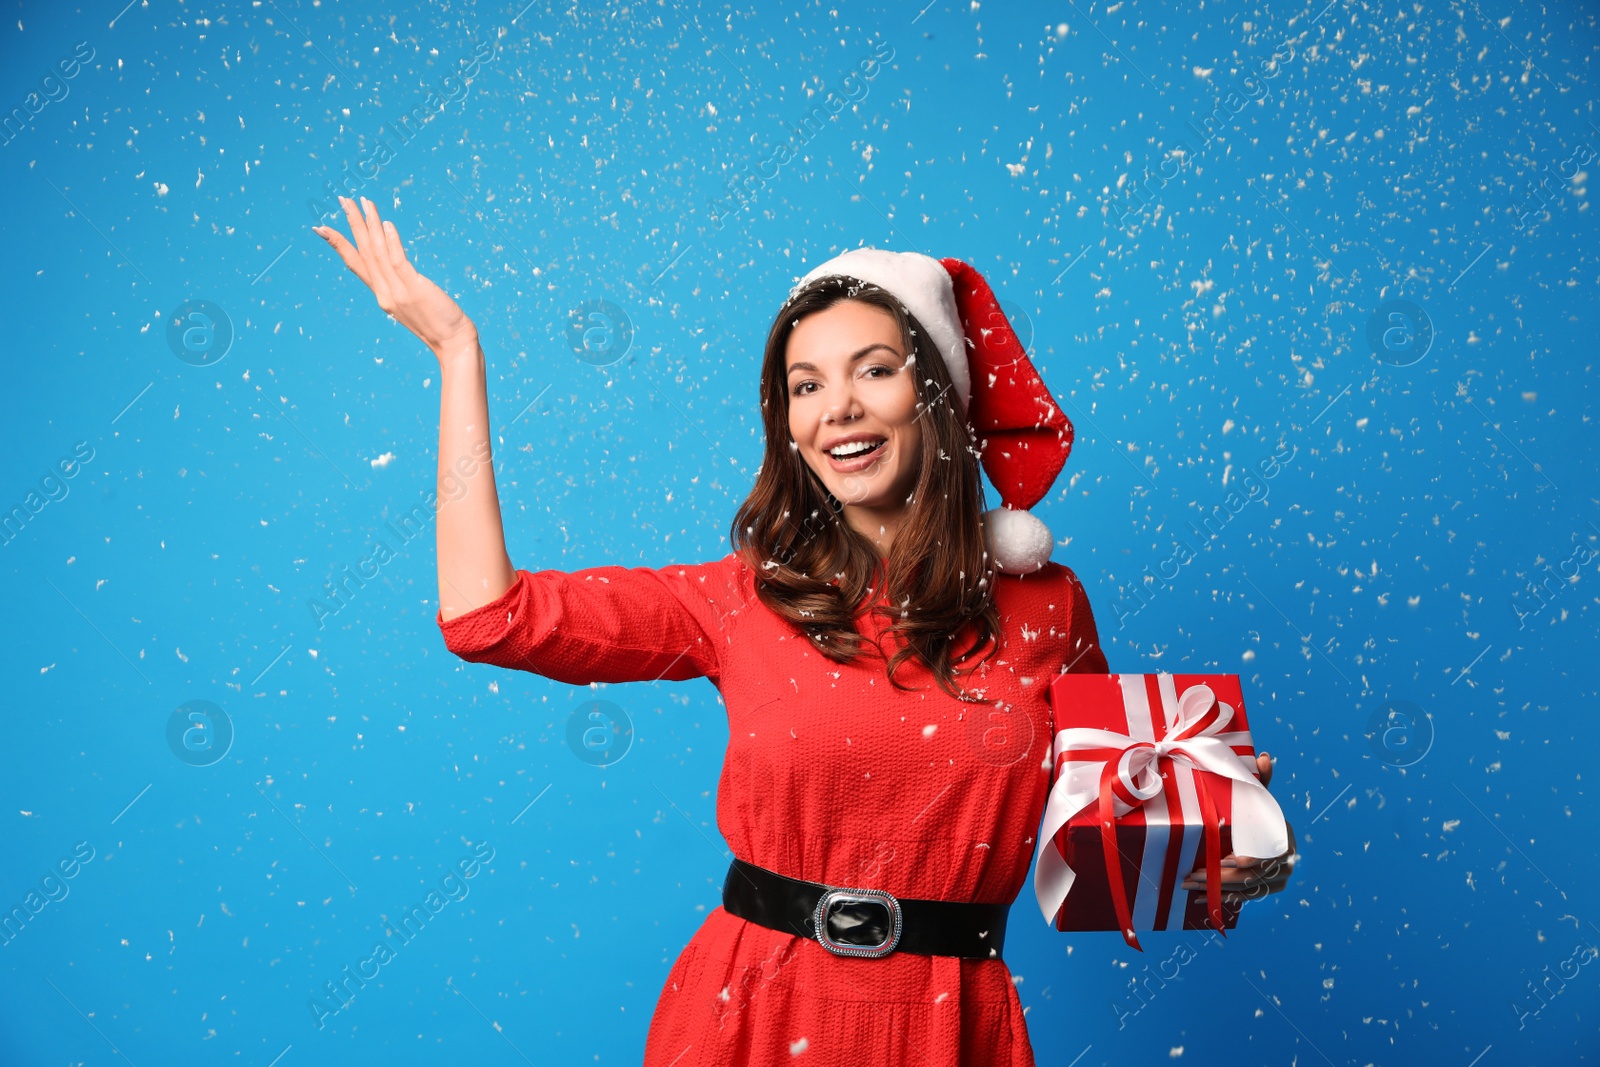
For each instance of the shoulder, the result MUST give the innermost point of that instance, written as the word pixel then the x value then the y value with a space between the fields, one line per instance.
pixel 1052 604
pixel 1052 596
pixel 728 564
pixel 725 580
pixel 1053 581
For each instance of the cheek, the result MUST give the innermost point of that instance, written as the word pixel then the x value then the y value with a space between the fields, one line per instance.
pixel 802 420
pixel 911 448
pixel 903 414
pixel 906 409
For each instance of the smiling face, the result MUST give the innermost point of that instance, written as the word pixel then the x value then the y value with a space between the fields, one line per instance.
pixel 853 411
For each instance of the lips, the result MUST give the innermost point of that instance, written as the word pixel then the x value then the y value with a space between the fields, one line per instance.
pixel 858 461
pixel 852 439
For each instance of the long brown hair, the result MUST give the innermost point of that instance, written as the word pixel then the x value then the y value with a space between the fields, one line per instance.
pixel 813 569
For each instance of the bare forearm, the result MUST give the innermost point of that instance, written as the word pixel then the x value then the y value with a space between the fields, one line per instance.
pixel 474 567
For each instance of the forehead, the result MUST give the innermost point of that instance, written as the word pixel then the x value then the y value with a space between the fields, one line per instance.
pixel 841 331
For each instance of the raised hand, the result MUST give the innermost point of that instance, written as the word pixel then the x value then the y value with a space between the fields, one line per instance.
pixel 379 259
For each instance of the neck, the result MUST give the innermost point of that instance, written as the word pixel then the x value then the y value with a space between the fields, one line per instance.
pixel 877 524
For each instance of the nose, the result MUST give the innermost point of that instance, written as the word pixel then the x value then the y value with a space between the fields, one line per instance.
pixel 845 405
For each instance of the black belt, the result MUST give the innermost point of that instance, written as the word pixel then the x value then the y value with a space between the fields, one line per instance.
pixel 863 922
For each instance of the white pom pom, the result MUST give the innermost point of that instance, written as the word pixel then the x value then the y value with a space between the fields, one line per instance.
pixel 1019 542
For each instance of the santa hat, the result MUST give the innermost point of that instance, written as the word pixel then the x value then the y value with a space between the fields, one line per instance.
pixel 1023 435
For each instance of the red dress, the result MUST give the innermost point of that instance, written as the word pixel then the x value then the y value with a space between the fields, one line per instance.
pixel 831 775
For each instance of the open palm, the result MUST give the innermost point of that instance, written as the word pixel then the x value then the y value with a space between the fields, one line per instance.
pixel 379 259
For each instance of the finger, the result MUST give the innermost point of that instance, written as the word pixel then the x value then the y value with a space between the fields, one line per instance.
pixel 1276 876
pixel 1264 768
pixel 1255 886
pixel 358 226
pixel 1268 866
pixel 1250 864
pixel 380 236
pixel 371 259
pixel 1232 879
pixel 1243 881
pixel 380 247
pixel 399 262
pixel 1254 893
pixel 347 251
pixel 1269 884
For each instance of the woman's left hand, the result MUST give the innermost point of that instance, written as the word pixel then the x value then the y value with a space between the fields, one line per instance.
pixel 1248 877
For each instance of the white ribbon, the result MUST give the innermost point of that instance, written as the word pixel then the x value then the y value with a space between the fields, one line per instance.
pixel 1258 825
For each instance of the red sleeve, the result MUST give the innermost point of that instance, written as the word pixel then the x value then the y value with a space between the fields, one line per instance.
pixel 607 624
pixel 1081 652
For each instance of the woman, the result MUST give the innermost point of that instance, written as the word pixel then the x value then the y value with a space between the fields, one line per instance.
pixel 883 653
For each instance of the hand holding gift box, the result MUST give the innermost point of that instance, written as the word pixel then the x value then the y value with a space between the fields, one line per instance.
pixel 1245 877
pixel 1154 775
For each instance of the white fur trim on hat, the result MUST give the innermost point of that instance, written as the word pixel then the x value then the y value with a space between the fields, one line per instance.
pixel 923 285
pixel 1019 541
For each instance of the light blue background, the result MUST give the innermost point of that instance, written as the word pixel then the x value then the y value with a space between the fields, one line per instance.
pixel 1388 159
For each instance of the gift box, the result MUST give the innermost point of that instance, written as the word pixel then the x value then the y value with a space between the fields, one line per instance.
pixel 1153 776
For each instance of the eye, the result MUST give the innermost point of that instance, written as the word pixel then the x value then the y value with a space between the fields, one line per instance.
pixel 875 370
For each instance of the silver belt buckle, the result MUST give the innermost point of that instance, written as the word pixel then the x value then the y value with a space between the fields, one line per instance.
pixel 857 896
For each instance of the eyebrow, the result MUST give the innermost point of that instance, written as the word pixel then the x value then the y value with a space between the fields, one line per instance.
pixel 854 356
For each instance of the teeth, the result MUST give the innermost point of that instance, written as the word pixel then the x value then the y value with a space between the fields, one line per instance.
pixel 851 449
